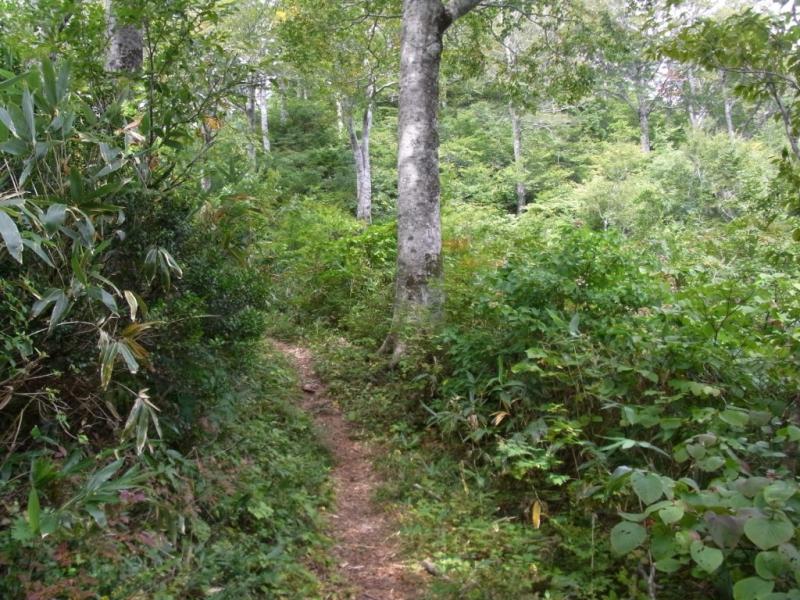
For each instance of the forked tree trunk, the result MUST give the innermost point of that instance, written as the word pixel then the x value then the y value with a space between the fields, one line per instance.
pixel 419 295
pixel 363 163
pixel 125 44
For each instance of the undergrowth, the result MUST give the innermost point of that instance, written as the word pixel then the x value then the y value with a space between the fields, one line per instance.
pixel 235 515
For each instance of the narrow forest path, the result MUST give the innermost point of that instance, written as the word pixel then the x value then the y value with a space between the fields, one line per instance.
pixel 366 548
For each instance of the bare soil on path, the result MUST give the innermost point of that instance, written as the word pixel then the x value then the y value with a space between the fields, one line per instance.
pixel 366 547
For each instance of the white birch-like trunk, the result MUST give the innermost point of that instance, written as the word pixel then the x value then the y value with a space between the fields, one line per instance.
pixel 282 112
pixel 695 114
pixel 516 129
pixel 644 127
pixel 250 112
pixel 729 117
pixel 263 94
pixel 728 105
pixel 363 164
pixel 339 116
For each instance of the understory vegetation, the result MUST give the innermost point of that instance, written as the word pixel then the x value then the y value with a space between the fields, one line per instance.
pixel 607 406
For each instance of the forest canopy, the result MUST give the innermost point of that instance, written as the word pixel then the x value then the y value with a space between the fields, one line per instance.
pixel 544 254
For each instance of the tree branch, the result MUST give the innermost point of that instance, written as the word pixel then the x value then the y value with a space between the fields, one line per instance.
pixel 456 9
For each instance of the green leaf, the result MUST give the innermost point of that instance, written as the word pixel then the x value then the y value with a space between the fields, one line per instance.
pixel 27 111
pixel 11 237
pixel 55 217
pixel 49 82
pixel 5 118
pixel 671 514
pixel 668 565
pixel 771 564
pixel 767 533
pixel 627 536
pixel 34 511
pixel 778 493
pixel 647 486
pixel 103 475
pixel 707 558
pixel 752 588
pixel 735 418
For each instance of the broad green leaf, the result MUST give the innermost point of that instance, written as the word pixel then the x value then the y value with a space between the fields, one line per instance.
pixel 627 536
pixel 671 514
pixel 11 237
pixel 767 533
pixel 778 493
pixel 49 82
pixel 752 588
pixel 5 118
pixel 55 217
pixel 34 511
pixel 103 475
pixel 647 486
pixel 707 558
pixel 771 564
pixel 27 111
pixel 668 565
pixel 735 418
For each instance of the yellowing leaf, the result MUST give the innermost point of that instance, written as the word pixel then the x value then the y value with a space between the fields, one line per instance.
pixel 498 417
pixel 536 514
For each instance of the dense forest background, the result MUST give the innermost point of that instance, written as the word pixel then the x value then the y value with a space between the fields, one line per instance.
pixel 602 401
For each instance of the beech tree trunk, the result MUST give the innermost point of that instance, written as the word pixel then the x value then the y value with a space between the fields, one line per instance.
pixel 250 111
pixel 419 296
pixel 644 127
pixel 125 44
pixel 728 104
pixel 363 163
pixel 263 94
pixel 339 116
pixel 695 113
pixel 729 117
pixel 516 128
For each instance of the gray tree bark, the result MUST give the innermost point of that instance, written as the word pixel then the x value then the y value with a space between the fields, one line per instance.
pixel 516 128
pixel 250 112
pixel 419 294
pixel 695 113
pixel 728 105
pixel 363 163
pixel 262 96
pixel 644 126
pixel 125 44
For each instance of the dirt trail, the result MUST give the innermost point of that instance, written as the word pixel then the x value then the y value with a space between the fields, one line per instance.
pixel 365 542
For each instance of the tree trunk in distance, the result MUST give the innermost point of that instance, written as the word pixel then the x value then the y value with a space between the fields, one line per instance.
pixel 263 94
pixel 363 164
pixel 728 104
pixel 250 112
pixel 644 127
pixel 516 128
